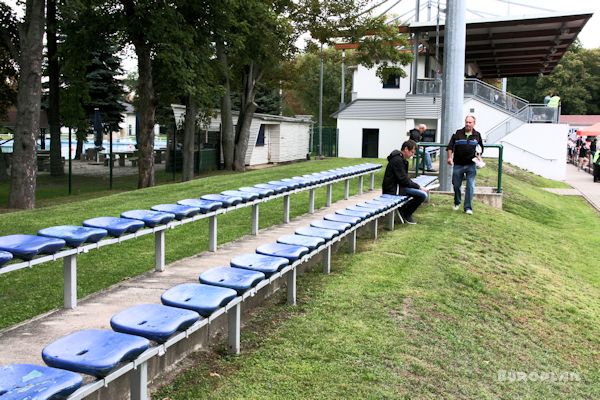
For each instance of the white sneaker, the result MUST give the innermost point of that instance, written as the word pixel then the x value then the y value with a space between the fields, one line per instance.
pixel 456 207
pixel 469 211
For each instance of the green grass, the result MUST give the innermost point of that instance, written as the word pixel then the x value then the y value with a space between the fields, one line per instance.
pixel 109 265
pixel 435 310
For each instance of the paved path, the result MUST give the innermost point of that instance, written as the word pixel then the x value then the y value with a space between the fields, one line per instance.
pixel 24 342
pixel 584 183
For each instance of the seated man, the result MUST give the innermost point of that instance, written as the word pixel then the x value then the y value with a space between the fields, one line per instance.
pixel 416 135
pixel 397 182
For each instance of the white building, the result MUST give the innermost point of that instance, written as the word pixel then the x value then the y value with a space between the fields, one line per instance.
pixel 273 138
pixel 380 114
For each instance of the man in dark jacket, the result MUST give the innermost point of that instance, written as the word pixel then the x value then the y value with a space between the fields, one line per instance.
pixel 462 148
pixel 397 182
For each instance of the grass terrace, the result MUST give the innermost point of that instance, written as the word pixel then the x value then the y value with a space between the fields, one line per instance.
pixel 498 305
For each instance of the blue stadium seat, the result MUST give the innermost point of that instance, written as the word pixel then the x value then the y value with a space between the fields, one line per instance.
pixel 342 218
pixel 336 225
pixel 261 192
pixel 291 252
pixel 246 196
pixel 204 299
pixel 179 210
pixel 326 234
pixel 311 242
pixel 93 351
pixel 228 201
pixel 205 206
pixel 73 235
pixel 287 185
pixel 237 279
pixel 149 217
pixel 370 211
pixel 275 188
pixel 26 247
pixel 351 213
pixel 268 265
pixel 29 382
pixel 115 226
pixel 153 321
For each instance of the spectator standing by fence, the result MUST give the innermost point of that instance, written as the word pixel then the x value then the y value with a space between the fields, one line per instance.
pixel 397 182
pixel 416 135
pixel 462 148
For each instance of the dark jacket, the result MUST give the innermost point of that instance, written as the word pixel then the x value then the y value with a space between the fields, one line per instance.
pixel 396 179
pixel 464 147
pixel 415 135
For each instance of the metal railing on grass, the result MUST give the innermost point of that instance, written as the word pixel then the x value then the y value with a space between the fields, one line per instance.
pixel 441 145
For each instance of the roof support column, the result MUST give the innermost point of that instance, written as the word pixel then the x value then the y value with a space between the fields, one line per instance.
pixel 453 81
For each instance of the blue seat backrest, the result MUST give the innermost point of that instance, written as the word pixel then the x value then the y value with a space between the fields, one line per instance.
pixel 153 321
pixel 204 299
pixel 93 351
pixel 74 236
pixel 26 247
pixel 29 381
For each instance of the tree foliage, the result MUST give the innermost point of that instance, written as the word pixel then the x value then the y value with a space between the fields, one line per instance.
pixel 576 78
pixel 9 52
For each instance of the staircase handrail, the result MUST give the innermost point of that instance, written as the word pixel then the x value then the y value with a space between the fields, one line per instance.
pixel 506 126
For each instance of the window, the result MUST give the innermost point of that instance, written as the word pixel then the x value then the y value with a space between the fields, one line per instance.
pixel 260 140
pixel 129 130
pixel 392 82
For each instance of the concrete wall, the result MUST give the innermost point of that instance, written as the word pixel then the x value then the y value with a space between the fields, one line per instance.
pixel 487 116
pixel 539 148
pixel 391 136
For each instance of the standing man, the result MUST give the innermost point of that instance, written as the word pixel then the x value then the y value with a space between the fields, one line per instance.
pixel 416 135
pixel 462 148
pixel 397 182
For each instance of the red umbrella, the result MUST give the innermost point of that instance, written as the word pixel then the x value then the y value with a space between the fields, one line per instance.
pixel 593 130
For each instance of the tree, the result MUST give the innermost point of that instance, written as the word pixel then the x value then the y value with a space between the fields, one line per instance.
pixel 303 82
pixel 56 167
pixel 249 47
pixel 9 50
pixel 184 63
pixel 378 44
pixel 24 171
pixel 575 78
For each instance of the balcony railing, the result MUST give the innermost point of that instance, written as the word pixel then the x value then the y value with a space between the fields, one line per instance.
pixel 478 89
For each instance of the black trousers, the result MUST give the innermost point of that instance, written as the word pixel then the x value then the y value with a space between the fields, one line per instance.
pixel 597 172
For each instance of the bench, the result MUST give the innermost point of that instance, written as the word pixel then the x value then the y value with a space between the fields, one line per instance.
pixel 97 232
pixel 109 354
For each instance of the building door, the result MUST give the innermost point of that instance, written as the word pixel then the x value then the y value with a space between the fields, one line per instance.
pixel 370 143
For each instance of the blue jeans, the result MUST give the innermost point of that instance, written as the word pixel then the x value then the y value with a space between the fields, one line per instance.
pixel 417 197
pixel 423 155
pixel 458 174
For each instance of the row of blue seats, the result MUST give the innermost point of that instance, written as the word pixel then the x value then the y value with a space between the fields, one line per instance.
pixel 51 240
pixel 98 352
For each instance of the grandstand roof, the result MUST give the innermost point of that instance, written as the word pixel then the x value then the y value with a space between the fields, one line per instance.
pixel 505 47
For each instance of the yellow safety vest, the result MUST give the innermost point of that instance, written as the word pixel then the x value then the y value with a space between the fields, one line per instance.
pixel 554 102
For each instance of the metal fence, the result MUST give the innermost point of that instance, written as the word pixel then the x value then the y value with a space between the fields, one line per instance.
pixel 329 139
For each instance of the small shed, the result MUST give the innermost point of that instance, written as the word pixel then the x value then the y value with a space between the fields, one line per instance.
pixel 273 138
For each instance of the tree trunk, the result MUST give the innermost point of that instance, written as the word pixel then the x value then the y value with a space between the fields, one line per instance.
pixel 247 109
pixel 24 166
pixel 79 149
pixel 147 102
pixel 189 135
pixel 56 165
pixel 147 109
pixel 227 134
